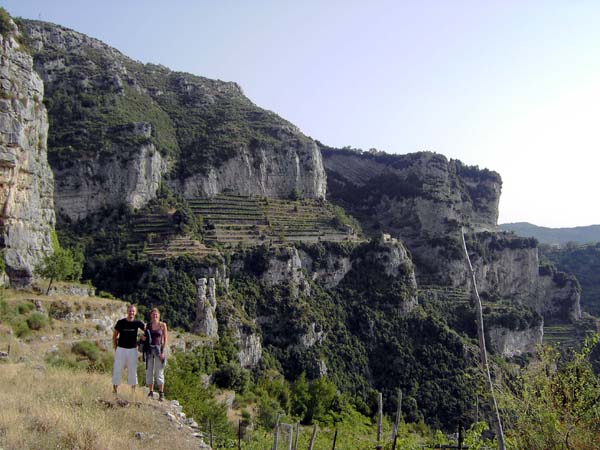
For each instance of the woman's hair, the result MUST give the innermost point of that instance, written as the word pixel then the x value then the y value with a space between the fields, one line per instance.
pixel 157 311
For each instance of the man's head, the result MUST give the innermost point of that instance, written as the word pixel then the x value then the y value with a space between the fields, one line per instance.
pixel 131 312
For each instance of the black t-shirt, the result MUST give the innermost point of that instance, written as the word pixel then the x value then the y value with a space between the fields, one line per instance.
pixel 128 332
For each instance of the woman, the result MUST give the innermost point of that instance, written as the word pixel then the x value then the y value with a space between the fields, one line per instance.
pixel 155 359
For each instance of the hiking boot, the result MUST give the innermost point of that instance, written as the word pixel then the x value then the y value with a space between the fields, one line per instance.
pixel 151 394
pixel 161 396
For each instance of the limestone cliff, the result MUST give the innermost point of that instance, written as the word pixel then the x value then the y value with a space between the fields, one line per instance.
pixel 426 200
pixel 26 182
pixel 509 343
pixel 508 267
pixel 413 195
pixel 119 128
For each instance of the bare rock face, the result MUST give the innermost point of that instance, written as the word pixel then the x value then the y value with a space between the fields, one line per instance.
pixel 422 198
pixel 129 177
pixel 263 171
pixel 426 200
pixel 26 182
pixel 509 343
pixel 206 318
pixel 328 273
pixel 413 195
pixel 96 164
pixel 250 346
pixel 285 266
pixel 509 268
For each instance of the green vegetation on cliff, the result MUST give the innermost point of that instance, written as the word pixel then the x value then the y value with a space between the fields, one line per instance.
pixel 583 262
pixel 95 96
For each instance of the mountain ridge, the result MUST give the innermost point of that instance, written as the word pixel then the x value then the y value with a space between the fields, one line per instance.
pixel 548 235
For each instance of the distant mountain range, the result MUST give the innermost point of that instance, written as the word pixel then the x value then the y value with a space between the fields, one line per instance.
pixel 580 235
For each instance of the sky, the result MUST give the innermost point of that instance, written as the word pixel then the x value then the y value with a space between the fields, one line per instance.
pixel 511 86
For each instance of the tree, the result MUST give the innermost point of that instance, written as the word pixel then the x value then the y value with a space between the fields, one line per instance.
pixel 62 265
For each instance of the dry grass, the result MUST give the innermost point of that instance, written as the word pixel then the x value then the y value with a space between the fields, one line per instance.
pixel 50 408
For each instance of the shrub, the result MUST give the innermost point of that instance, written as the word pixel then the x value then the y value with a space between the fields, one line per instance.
pixel 59 309
pixel 232 376
pixel 24 308
pixel 36 321
pixel 6 26
pixel 104 294
pixel 87 349
pixel 21 329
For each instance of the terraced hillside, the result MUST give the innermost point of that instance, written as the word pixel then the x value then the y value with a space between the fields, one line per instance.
pixel 249 221
pixel 233 220
pixel 570 335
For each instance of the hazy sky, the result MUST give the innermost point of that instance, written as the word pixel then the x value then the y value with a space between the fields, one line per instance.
pixel 512 86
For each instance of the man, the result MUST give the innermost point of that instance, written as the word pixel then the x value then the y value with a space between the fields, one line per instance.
pixel 125 336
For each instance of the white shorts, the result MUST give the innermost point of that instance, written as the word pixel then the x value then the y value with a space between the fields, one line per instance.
pixel 125 357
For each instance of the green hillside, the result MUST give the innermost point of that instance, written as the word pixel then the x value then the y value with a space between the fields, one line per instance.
pixel 560 236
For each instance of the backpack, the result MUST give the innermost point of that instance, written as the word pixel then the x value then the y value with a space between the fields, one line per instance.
pixel 145 346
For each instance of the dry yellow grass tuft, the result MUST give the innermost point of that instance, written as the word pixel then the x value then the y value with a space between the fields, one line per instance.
pixel 52 408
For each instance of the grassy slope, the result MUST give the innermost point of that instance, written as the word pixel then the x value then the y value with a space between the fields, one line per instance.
pixel 60 408
pixel 49 407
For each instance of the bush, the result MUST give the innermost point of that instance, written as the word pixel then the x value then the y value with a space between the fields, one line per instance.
pixel 24 308
pixel 21 329
pixel 87 349
pixel 59 309
pixel 36 321
pixel 232 376
pixel 6 26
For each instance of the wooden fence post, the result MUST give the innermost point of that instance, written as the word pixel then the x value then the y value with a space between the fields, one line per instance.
pixel 290 436
pixel 297 435
pixel 312 438
pixel 276 433
pixel 379 416
pixel 398 413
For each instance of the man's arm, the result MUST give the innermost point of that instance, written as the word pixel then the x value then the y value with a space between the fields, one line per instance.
pixel 114 338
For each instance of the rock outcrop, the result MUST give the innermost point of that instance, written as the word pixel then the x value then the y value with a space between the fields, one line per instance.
pixel 330 271
pixel 415 195
pixel 509 343
pixel 26 183
pixel 285 266
pixel 131 176
pixel 264 171
pixel 206 318
pixel 250 347
pixel 508 267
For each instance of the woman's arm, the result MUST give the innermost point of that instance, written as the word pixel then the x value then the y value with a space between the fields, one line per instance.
pixel 165 336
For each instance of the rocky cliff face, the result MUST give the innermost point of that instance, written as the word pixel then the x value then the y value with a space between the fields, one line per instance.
pixel 263 171
pixel 26 182
pixel 131 177
pixel 509 343
pixel 119 128
pixel 508 267
pixel 426 200
pixel 413 195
